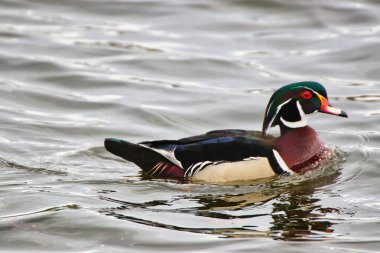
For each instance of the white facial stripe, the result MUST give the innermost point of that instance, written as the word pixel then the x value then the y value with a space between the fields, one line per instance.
pixel 296 124
pixel 300 110
pixel 278 109
pixel 282 163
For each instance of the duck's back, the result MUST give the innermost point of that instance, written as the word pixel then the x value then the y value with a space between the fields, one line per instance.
pixel 219 155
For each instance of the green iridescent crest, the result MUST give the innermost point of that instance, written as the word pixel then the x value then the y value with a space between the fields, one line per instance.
pixel 284 95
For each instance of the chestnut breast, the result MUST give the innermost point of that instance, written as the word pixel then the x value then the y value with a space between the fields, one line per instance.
pixel 299 145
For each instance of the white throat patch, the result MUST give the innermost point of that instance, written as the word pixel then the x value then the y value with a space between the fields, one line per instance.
pixel 296 124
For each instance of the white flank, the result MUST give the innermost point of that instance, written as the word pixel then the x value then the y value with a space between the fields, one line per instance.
pixel 236 171
pixel 196 167
pixel 296 124
pixel 167 154
pixel 282 163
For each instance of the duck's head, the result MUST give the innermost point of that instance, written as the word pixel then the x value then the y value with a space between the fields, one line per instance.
pixel 290 105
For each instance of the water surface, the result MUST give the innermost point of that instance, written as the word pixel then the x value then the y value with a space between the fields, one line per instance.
pixel 75 72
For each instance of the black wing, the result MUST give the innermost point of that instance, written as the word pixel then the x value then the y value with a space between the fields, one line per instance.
pixel 212 135
pixel 216 146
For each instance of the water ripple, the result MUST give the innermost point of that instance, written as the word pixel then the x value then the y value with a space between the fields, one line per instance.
pixel 75 72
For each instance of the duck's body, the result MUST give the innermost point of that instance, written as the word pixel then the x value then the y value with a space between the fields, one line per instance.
pixel 235 155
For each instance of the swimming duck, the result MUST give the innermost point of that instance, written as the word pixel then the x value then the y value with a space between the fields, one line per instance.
pixel 235 155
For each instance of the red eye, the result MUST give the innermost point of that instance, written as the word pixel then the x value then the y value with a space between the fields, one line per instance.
pixel 306 94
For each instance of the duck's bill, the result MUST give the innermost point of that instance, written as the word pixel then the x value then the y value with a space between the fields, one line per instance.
pixel 329 109
pixel 334 111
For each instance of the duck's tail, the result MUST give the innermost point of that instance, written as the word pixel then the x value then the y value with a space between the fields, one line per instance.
pixel 149 160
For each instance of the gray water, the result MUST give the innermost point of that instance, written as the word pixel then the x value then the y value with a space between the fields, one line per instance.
pixel 74 72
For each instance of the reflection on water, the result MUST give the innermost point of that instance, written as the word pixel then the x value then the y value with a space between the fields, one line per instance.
pixel 295 211
pixel 296 215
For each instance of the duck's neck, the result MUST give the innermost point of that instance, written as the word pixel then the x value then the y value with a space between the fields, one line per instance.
pixel 298 145
pixel 285 129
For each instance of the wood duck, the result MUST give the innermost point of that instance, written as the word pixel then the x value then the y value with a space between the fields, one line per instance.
pixel 236 155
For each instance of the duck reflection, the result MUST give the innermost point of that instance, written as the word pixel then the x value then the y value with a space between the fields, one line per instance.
pixel 291 210
pixel 296 211
pixel 298 215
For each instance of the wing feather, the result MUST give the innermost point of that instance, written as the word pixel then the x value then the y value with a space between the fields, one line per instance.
pixel 197 152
